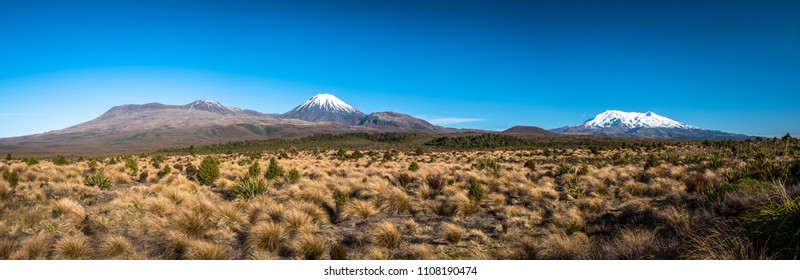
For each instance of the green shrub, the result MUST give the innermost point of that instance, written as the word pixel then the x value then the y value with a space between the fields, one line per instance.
pixel 13 179
pixel 342 154
pixel 30 161
pixel 530 164
pixel 563 168
pixel 774 226
pixel 475 191
pixel 254 170
pixel 9 157
pixel 60 160
pixel 165 171
pixel 342 199
pixel 387 157
pixel 583 170
pixel 92 164
pixel 208 172
pixel 651 162
pixel 249 187
pixel 356 155
pixel 273 170
pixel 97 179
pixel 294 175
pixel 132 164
pixel 282 154
pixel 489 166
pixel 156 161
pixel 413 167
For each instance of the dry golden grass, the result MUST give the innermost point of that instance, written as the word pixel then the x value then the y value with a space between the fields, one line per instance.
pixel 617 210
pixel 387 235
pixel 73 247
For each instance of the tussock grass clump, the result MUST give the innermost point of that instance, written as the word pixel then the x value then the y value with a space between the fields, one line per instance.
pixel 73 247
pixel 297 221
pixel 249 187
pixel 70 209
pixel 361 208
pixel 7 247
pixel 204 250
pixel 387 235
pixel 34 247
pixel 396 202
pixel 774 225
pixel 452 233
pixel 267 236
pixel 338 252
pixel 310 246
pixel 114 246
pixel 561 246
pixel 420 252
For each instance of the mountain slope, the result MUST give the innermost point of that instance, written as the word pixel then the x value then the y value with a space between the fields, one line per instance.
pixel 643 125
pixel 392 121
pixel 325 108
pixel 527 131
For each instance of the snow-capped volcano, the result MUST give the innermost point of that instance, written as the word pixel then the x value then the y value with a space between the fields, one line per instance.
pixel 326 108
pixel 611 118
pixel 643 125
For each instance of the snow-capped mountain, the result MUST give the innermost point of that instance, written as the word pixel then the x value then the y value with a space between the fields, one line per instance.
pixel 211 106
pixel 611 118
pixel 643 125
pixel 326 108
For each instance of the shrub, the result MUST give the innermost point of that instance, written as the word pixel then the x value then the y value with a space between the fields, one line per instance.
pixel 387 157
pixel 254 170
pixel 413 167
pixel 282 154
pixel 294 175
pixel 342 199
pixel 97 179
pixel 583 170
pixel 342 154
pixel 563 168
pixel 9 157
pixel 530 164
pixel 6 173
pixel 273 170
pixel 475 191
pixel 165 171
pixel 30 161
pixel 13 179
pixel 92 165
pixel 60 160
pixel 131 164
pixel 356 155
pixel 489 166
pixel 249 187
pixel 651 162
pixel 208 172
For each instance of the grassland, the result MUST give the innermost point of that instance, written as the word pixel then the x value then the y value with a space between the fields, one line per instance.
pixel 411 197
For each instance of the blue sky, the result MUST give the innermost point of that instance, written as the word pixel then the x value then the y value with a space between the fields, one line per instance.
pixel 723 65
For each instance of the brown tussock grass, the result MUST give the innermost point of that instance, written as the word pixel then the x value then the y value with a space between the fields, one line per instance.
pixel 73 247
pixel 69 209
pixel 115 247
pixel 387 235
pixel 267 236
pixel 452 233
pixel 204 250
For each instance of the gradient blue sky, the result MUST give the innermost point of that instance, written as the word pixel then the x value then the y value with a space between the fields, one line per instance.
pixel 723 65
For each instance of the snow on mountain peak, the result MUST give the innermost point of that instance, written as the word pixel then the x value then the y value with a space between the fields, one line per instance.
pixel 611 118
pixel 327 101
pixel 212 105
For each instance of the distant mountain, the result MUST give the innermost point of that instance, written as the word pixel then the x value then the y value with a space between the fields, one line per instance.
pixel 399 122
pixel 528 131
pixel 643 125
pixel 325 108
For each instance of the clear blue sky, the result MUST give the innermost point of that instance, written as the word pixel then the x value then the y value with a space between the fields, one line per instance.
pixel 723 65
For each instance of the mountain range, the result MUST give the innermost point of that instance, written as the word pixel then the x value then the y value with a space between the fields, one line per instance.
pixel 643 125
pixel 155 125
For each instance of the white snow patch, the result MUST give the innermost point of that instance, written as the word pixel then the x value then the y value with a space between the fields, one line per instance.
pixel 633 120
pixel 327 102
